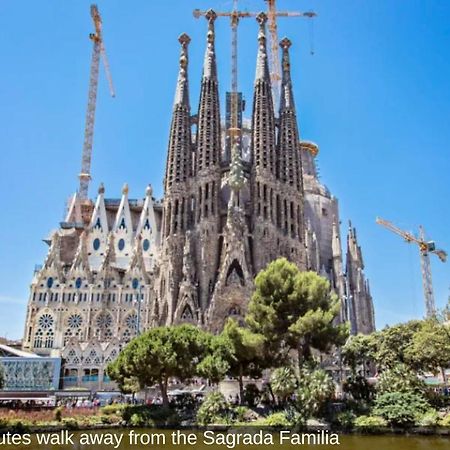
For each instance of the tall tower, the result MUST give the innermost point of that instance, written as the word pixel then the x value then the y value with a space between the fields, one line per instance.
pixel 289 167
pixel 207 171
pixel 361 313
pixel 263 147
pixel 176 212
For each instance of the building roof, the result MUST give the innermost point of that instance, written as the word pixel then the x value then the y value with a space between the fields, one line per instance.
pixel 7 351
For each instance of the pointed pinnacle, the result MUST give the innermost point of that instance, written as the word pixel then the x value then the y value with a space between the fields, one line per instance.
pixel 211 15
pixel 285 43
pixel 184 39
pixel 261 18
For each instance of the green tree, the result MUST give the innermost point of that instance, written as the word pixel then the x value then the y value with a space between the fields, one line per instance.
pixel 400 408
pixel 294 310
pixel 245 351
pixel 392 344
pixel 359 351
pixel 315 389
pixel 359 388
pixel 400 378
pixel 283 382
pixel 159 354
pixel 429 349
pixel 215 365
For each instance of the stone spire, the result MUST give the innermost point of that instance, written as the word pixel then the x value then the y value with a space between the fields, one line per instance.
pixel 361 307
pixel 338 271
pixel 179 155
pixel 263 118
pixel 208 129
pixel 289 162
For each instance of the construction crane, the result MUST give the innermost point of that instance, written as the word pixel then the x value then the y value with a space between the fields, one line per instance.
pixel 274 61
pixel 425 248
pixel 98 51
pixel 235 15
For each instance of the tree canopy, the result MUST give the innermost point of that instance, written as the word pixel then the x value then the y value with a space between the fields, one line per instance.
pixel 429 348
pixel 294 310
pixel 159 354
pixel 245 352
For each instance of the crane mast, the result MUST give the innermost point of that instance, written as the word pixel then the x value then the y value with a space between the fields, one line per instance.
pixel 98 51
pixel 425 248
pixel 235 97
pixel 274 60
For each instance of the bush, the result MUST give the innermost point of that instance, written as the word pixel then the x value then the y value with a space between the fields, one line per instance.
pixel 437 400
pixel 138 420
pixel 107 419
pixel 71 423
pixel 400 408
pixel 152 415
pixel 241 413
pixel 345 420
pixel 400 378
pixel 113 409
pixel 251 394
pixel 283 382
pixel 445 422
pixel 18 426
pixel 277 420
pixel 185 402
pixel 213 408
pixel 315 390
pixel 58 414
pixel 370 424
pixel 429 419
pixel 358 387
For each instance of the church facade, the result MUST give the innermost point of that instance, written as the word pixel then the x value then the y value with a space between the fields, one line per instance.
pixel 116 267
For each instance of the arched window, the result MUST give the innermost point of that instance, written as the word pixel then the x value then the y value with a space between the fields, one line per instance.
pixel 38 338
pixel 187 313
pixel 44 335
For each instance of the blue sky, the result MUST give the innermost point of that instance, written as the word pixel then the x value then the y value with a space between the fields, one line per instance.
pixel 375 96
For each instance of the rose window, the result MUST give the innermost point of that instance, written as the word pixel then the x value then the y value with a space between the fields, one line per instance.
pixel 132 321
pixel 46 321
pixel 75 321
pixel 104 321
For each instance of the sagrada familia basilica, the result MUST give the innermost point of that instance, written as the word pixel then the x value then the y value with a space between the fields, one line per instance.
pixel 116 267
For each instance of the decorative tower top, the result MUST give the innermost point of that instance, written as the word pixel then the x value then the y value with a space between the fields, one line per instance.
pixel 289 164
pixel 209 67
pixel 208 128
pixel 179 155
pixel 262 67
pixel 287 98
pixel 182 91
pixel 263 117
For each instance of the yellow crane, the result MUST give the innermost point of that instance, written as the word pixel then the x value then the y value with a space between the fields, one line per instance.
pixel 425 248
pixel 98 51
pixel 274 61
